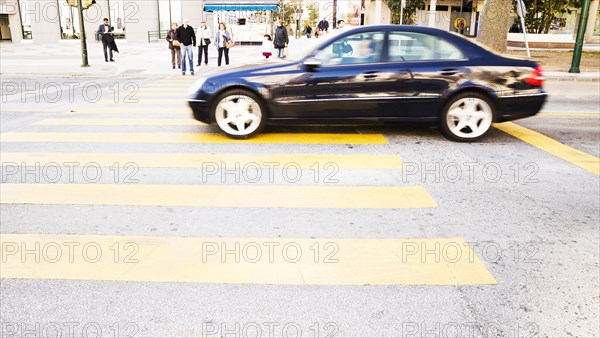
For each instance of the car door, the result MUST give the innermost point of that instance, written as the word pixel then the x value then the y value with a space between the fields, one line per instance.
pixel 347 80
pixel 434 66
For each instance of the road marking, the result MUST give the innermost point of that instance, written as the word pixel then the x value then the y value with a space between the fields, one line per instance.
pixel 551 146
pixel 194 160
pixel 219 196
pixel 281 261
pixel 118 122
pixel 132 110
pixel 11 110
pixel 140 101
pixel 283 138
pixel 159 94
pixel 570 114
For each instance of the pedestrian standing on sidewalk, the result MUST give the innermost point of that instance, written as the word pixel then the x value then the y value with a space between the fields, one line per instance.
pixel 187 39
pixel 105 32
pixel 204 35
pixel 266 48
pixel 221 38
pixel 281 39
pixel 174 45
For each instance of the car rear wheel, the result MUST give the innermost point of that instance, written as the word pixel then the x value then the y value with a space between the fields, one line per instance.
pixel 239 114
pixel 467 117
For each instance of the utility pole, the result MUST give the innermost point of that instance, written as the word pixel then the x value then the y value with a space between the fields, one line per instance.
pixel 583 18
pixel 334 14
pixel 84 56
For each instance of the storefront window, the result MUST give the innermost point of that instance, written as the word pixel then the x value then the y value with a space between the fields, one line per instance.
pixel 69 21
pixel 117 18
pixel 25 9
pixel 597 25
pixel 164 15
pixel 564 23
pixel 176 11
pixel 169 11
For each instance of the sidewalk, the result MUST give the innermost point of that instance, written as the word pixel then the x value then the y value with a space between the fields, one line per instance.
pixel 152 59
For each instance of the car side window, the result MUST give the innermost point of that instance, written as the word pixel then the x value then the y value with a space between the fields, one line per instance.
pixel 353 49
pixel 410 46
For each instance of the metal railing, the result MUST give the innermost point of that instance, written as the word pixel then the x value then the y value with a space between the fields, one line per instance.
pixel 154 36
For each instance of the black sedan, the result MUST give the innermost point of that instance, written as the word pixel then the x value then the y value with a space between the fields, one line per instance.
pixel 382 74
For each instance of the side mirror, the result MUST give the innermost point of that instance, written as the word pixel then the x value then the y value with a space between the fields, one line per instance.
pixel 311 64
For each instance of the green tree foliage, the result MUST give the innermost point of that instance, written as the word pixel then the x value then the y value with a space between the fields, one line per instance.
pixel 410 10
pixel 313 14
pixel 287 11
pixel 541 13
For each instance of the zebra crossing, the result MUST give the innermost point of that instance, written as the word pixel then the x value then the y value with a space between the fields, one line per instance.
pixel 305 261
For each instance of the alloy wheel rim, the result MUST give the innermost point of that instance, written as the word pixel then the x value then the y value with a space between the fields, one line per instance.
pixel 238 115
pixel 469 117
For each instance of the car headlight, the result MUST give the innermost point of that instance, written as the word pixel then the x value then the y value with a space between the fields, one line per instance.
pixel 197 85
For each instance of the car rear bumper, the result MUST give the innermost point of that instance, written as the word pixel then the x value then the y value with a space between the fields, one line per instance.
pixel 516 107
pixel 200 108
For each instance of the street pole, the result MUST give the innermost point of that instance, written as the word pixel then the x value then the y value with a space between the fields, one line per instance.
pixel 84 56
pixel 583 18
pixel 402 4
pixel 362 12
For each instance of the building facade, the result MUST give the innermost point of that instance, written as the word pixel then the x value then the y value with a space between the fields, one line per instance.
pixel 49 21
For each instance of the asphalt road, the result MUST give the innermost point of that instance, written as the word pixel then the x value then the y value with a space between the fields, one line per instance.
pixel 139 238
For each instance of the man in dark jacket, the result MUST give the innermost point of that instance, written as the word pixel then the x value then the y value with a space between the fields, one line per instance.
pixel 280 40
pixel 187 39
pixel 105 32
pixel 323 25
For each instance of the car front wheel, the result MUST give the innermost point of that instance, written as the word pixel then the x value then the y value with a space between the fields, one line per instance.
pixel 239 114
pixel 467 117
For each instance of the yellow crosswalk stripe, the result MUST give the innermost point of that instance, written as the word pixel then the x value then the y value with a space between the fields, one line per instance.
pixel 198 160
pixel 140 101
pixel 159 94
pixel 132 109
pixel 227 196
pixel 281 261
pixel 118 122
pixel 283 138
pixel 570 114
pixel 553 147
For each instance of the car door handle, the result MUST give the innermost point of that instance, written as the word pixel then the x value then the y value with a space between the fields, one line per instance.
pixel 448 71
pixel 369 75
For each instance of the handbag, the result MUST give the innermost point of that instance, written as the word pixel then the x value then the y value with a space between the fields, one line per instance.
pixel 229 44
pixel 207 42
pixel 176 43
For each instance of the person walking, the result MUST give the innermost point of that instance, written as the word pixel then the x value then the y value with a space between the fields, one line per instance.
pixel 308 31
pixel 281 39
pixel 187 40
pixel 204 35
pixel 105 31
pixel 221 39
pixel 174 45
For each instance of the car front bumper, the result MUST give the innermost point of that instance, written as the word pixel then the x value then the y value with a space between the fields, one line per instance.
pixel 201 110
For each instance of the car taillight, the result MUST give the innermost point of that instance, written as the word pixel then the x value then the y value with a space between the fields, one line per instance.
pixel 535 78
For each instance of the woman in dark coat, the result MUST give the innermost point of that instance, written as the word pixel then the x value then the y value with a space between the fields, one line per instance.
pixel 280 40
pixel 175 51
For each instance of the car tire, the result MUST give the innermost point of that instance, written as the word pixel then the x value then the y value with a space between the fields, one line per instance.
pixel 467 117
pixel 239 113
